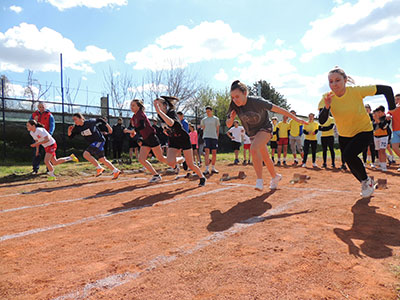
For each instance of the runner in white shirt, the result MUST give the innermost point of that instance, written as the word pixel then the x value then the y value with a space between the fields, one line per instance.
pixel 42 137
pixel 246 148
pixel 236 133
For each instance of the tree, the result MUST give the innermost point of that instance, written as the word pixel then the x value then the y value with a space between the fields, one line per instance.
pixel 119 87
pixel 70 95
pixel 221 105
pixel 34 89
pixel 269 93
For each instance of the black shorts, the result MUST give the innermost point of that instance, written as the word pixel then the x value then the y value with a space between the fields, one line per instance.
pixel 96 149
pixel 182 142
pixel 211 144
pixel 194 146
pixel 151 141
pixel 273 145
pixel 133 143
pixel 236 145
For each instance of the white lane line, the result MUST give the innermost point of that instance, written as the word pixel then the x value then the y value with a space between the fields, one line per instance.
pixel 301 188
pixel 109 214
pixel 116 280
pixel 51 189
pixel 86 198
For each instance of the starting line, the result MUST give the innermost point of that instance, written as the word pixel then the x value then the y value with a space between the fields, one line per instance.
pixel 86 198
pixel 116 280
pixel 109 214
pixel 70 187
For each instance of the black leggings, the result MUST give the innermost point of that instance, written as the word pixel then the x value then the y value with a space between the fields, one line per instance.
pixel 373 151
pixel 351 147
pixel 307 144
pixel 327 142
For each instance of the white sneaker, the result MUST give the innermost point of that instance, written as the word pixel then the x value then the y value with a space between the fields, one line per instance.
pixel 314 165
pixel 303 165
pixel 367 187
pixel 259 185
pixel 373 166
pixel 274 182
pixel 398 169
pixel 155 178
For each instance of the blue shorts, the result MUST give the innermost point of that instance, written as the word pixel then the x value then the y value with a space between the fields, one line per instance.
pixel 396 137
pixel 96 149
pixel 211 144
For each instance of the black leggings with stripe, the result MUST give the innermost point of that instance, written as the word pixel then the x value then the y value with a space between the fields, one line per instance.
pixel 351 147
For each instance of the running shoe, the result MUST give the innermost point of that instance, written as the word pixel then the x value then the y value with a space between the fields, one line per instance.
pixel 99 171
pixel 259 185
pixel 214 171
pixel 367 187
pixel 155 178
pixel 184 165
pixel 295 163
pixel 333 166
pixel 244 163
pixel 278 163
pixel 116 174
pixel 324 165
pixel 284 163
pixel 74 158
pixel 303 166
pixel 314 165
pixel 202 181
pixel 51 178
pixel 206 172
pixel 274 182
pixel 343 167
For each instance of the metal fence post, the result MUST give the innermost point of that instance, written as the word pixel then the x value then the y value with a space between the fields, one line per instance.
pixel 62 105
pixel 3 102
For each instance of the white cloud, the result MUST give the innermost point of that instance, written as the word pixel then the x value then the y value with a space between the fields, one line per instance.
pixel 279 42
pixel 16 9
pixel 65 4
pixel 353 27
pixel 84 78
pixel 26 47
pixel 221 75
pixel 203 42
pixel 116 74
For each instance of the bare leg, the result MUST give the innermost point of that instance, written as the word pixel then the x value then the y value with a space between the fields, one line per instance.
pixel 396 149
pixel 144 152
pixel 189 160
pixel 244 154
pixel 56 161
pixel 207 156
pixel 214 157
pixel 279 152
pixel 90 159
pixel 260 150
pixel 47 161
pixel 284 151
pixel 107 163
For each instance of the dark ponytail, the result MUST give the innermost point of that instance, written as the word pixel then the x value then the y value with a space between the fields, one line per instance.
pixel 36 124
pixel 238 85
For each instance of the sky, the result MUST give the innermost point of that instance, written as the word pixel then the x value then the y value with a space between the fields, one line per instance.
pixel 290 44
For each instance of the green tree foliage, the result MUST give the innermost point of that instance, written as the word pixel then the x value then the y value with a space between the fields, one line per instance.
pixel 269 93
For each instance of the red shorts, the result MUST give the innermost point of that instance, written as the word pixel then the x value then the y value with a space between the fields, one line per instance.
pixel 51 149
pixel 247 146
pixel 283 141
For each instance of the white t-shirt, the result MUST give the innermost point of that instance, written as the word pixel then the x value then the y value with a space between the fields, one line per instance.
pixel 40 134
pixel 246 139
pixel 237 133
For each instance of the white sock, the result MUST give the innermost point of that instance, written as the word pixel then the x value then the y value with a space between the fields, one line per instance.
pixel 115 170
pixel 213 167
pixel 259 181
pixel 383 165
pixel 390 157
pixel 206 168
pixel 68 158
pixel 98 167
pixel 52 174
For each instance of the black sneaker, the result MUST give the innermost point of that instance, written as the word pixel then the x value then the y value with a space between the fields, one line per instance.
pixel 343 167
pixel 333 166
pixel 236 161
pixel 34 172
pixel 202 181
pixel 184 165
pixel 244 163
pixel 295 163
pixel 278 163
pixel 284 163
pixel 249 162
pixel 324 165
pixel 206 172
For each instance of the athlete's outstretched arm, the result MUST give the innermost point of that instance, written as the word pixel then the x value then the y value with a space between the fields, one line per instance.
pixel 284 112
pixel 387 91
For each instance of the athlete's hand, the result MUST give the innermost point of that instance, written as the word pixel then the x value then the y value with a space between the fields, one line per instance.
pixel 33 145
pixel 233 114
pixel 301 121
pixel 328 99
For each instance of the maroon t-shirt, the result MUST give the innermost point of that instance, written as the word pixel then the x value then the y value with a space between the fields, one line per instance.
pixel 142 124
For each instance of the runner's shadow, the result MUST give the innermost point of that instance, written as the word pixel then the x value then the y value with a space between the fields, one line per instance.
pixel 112 192
pixel 377 231
pixel 240 212
pixel 17 178
pixel 147 201
pixel 57 188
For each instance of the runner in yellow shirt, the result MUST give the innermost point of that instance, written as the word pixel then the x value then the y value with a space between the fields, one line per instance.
pixel 283 139
pixel 352 121
pixel 310 131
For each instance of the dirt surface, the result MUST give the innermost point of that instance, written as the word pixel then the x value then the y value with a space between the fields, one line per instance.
pixel 95 238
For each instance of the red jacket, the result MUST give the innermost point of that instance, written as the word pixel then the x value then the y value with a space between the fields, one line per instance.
pixel 46 119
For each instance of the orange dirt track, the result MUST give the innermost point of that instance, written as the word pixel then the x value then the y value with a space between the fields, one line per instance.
pixel 94 238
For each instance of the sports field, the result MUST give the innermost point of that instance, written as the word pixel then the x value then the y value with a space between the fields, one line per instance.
pixel 83 237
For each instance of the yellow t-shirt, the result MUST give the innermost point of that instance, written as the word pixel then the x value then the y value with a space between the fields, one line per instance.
pixel 283 129
pixel 274 137
pixel 294 128
pixel 330 132
pixel 310 128
pixel 349 111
